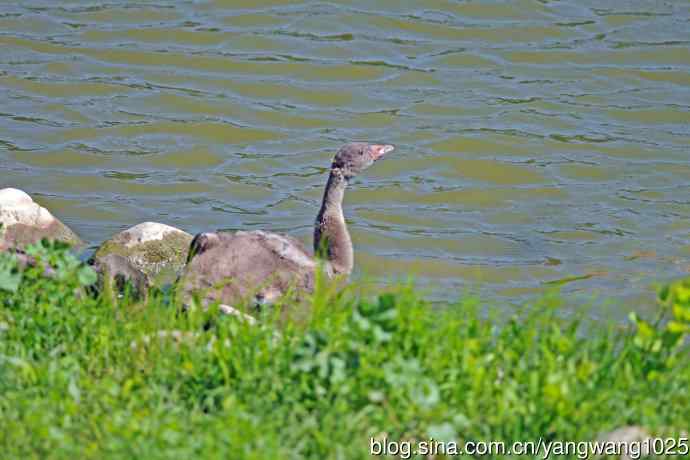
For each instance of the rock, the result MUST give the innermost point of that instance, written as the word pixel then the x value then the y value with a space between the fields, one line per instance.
pixel 228 310
pixel 159 251
pixel 175 337
pixel 26 222
pixel 627 435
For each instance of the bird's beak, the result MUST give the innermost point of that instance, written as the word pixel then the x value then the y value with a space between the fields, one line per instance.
pixel 378 150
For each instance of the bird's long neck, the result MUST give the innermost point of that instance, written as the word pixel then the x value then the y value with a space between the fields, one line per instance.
pixel 331 238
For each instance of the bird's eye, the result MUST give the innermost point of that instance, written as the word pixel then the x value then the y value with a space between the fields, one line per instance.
pixel 361 152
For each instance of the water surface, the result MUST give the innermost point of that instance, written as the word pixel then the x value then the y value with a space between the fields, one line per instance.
pixel 540 143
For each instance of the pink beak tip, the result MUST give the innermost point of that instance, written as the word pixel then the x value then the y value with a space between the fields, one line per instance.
pixel 381 150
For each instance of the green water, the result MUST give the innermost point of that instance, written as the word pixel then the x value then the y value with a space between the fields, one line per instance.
pixel 537 141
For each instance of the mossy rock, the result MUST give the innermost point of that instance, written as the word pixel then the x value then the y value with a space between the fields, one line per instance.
pixel 24 222
pixel 158 250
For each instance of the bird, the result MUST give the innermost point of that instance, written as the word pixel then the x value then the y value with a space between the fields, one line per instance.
pixel 256 268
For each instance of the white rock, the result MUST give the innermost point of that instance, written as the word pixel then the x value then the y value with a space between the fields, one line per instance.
pixel 175 337
pixel 16 207
pixel 150 231
pixel 13 196
pixel 228 310
pixel 26 222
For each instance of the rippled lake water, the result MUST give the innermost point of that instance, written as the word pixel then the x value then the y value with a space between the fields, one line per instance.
pixel 539 142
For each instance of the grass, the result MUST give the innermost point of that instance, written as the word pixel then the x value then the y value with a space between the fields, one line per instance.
pixel 87 377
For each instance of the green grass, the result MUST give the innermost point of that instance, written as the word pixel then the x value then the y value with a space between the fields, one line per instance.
pixel 78 380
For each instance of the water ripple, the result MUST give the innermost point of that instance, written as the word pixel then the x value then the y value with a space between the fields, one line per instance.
pixel 537 145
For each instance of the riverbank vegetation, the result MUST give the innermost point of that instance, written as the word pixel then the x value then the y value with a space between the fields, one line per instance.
pixel 85 376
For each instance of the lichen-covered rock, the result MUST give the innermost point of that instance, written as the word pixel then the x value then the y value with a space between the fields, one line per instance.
pixel 26 222
pixel 159 251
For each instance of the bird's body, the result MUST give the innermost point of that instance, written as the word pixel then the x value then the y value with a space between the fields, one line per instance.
pixel 246 267
pixel 259 267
